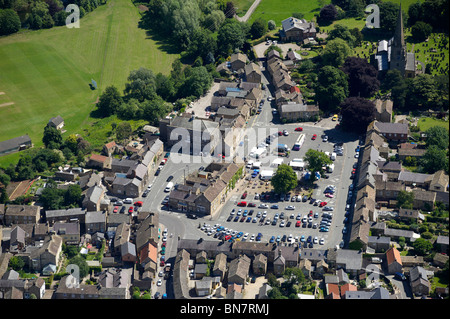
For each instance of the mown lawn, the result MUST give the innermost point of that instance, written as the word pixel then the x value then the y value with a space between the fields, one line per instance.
pixel 426 122
pixel 279 10
pixel 47 72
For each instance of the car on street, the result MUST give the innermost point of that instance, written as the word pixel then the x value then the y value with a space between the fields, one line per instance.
pixel 328 208
pixel 314 137
pixel 169 178
pixel 159 283
pixel 299 129
pixel 335 117
pixel 325 138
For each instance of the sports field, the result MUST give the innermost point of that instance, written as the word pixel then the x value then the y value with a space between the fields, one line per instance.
pixel 46 73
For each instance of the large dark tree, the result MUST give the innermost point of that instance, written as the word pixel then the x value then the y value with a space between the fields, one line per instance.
pixel 9 22
pixel 52 137
pixel 356 114
pixel 420 31
pixel 141 85
pixel 388 16
pixel 232 35
pixel 258 28
pixel 109 101
pixel 362 77
pixel 331 88
pixel 328 14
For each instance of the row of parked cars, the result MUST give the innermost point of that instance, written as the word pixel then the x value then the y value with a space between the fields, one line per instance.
pixel 228 234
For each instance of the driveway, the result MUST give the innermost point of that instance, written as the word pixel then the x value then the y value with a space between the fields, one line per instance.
pixel 199 107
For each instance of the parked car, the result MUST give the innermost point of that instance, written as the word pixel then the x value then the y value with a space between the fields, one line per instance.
pixel 299 129
pixel 314 137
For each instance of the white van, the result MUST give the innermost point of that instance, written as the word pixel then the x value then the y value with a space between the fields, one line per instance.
pixel 168 187
pixel 333 156
pixel 128 201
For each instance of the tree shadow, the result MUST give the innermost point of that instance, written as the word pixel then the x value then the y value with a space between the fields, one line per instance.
pixel 162 40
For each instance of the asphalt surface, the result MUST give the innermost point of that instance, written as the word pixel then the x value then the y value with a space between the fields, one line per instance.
pixel 179 226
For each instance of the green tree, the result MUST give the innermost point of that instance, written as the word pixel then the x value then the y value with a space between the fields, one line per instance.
pixel 434 159
pixel 231 36
pixel 258 28
pixel 82 265
pixel 141 85
pixel 405 199
pixel 52 137
pixel 438 136
pixel 422 246
pixel 72 196
pixel 342 32
pixel 123 131
pixel 198 82
pixel 284 179
pixel 16 263
pixel 9 22
pixel 335 53
pixel 420 31
pixel 316 160
pixel 109 102
pixel 331 88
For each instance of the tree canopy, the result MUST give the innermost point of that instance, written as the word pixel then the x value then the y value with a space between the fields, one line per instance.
pixel 284 179
pixel 357 113
pixel 362 77
pixel 331 88
pixel 316 160
pixel 335 53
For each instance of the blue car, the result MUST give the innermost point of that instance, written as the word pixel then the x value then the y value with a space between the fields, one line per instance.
pixel 272 239
pixel 249 219
pixel 240 235
pixel 302 239
pixel 236 218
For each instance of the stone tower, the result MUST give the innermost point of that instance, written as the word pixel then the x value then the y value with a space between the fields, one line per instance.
pixel 398 46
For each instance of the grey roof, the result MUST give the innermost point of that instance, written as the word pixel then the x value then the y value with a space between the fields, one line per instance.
pixel 14 143
pixel 64 212
pixel 393 128
pixel 128 248
pixel 294 23
pixel 313 254
pixel 56 120
pixel 410 61
pixel 407 176
pixel 296 107
pixel 66 228
pixel 95 217
pixel 378 293
pixel 93 194
pixel 379 239
pixel 352 259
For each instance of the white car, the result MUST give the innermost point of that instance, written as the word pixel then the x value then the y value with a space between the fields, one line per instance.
pixel 315 240
pixel 322 241
pixel 325 139
pixel 252 238
pixel 290 207
pixel 282 223
pixel 161 273
pixel 263 206
pixel 159 283
pixel 357 155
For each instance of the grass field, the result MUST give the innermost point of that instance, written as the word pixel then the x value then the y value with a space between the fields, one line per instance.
pixel 242 6
pixel 279 10
pixel 47 72
pixel 426 122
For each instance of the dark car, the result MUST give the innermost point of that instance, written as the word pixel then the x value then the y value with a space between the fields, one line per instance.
pixel 236 218
pixel 192 216
pixel 169 178
pixel 305 198
pixel 230 218
pixel 122 210
pixel 312 200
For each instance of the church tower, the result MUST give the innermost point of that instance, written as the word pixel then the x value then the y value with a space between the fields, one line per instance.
pixel 398 46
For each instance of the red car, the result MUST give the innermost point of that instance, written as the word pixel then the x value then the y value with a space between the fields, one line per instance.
pixel 244 196
pixel 162 263
pixel 138 203
pixel 251 205
pixel 280 133
pixel 314 137
pixel 227 237
pixel 242 204
pixel 310 213
pixel 116 209
pixel 299 129
pixel 298 223
pixel 130 210
pixel 322 204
